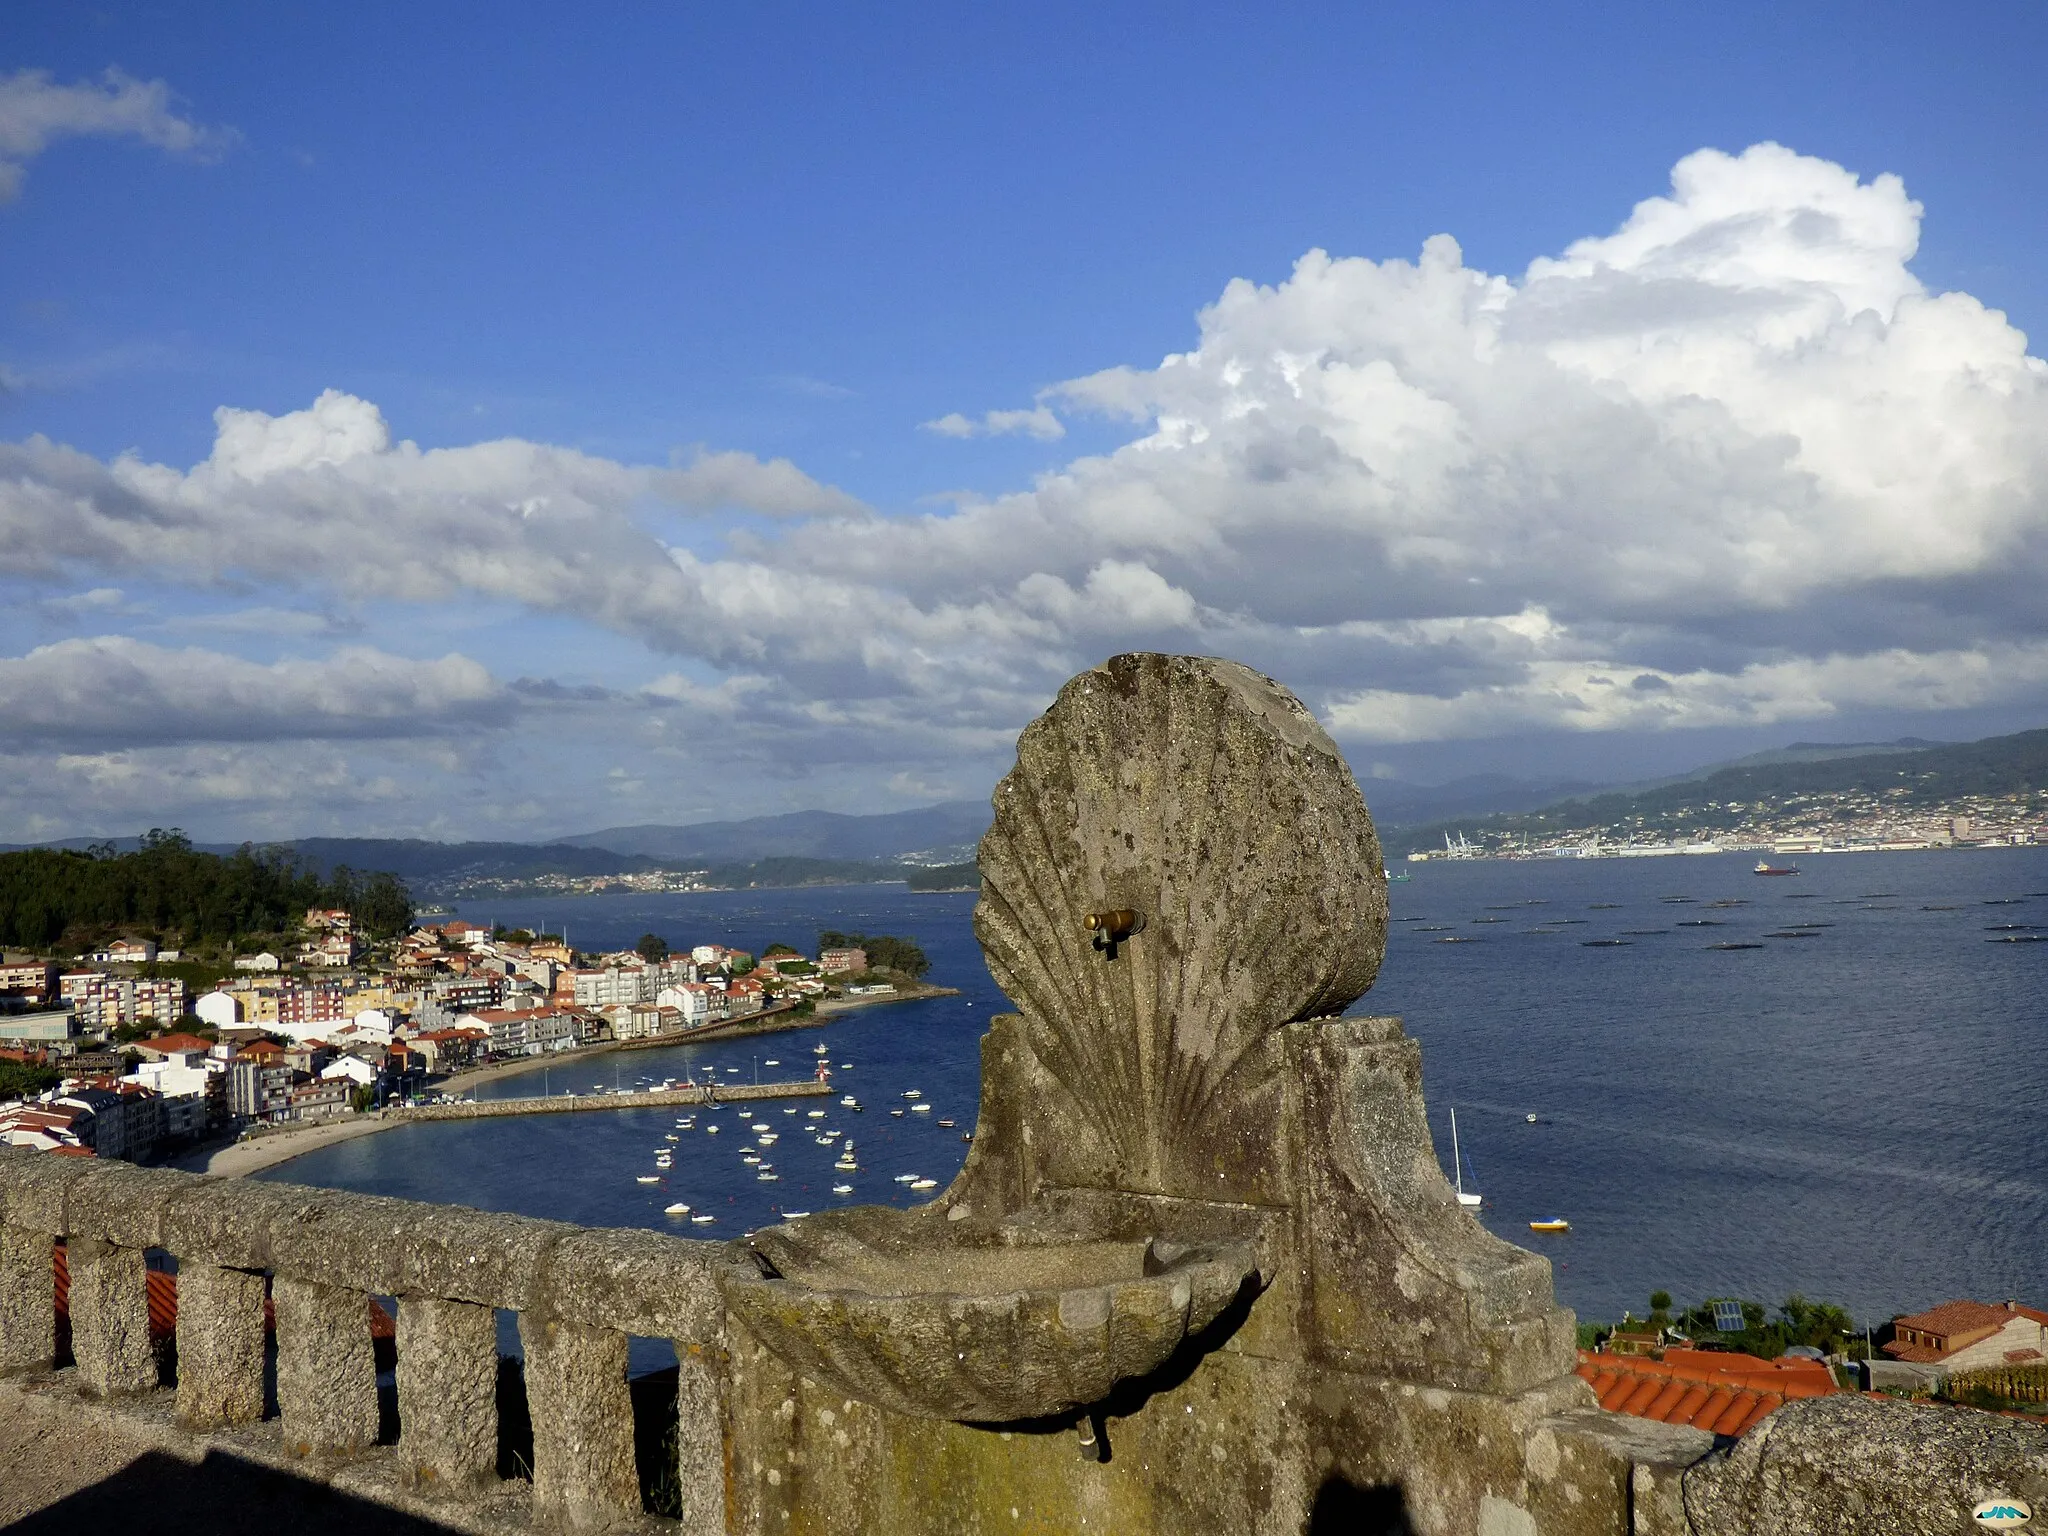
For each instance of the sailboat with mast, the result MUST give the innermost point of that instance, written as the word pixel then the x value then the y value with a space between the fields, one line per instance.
pixel 1458 1167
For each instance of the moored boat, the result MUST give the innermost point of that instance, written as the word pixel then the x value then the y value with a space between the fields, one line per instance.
pixel 1765 867
pixel 1555 1224
pixel 1465 1198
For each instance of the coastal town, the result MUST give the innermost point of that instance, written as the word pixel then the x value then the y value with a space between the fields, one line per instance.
pixel 1845 821
pixel 110 1056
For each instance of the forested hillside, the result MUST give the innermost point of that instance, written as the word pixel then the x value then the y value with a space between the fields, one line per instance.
pixel 168 889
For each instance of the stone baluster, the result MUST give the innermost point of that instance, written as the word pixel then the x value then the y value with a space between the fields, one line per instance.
pixel 447 1392
pixel 326 1368
pixel 583 1466
pixel 220 1346
pixel 110 1318
pixel 700 1436
pixel 28 1300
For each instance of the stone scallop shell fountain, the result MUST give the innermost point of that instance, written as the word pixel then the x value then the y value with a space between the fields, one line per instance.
pixel 1180 866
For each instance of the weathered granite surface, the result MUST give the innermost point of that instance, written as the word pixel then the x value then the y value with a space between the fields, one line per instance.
pixel 110 1318
pixel 1850 1465
pixel 448 1392
pixel 220 1346
pixel 326 1368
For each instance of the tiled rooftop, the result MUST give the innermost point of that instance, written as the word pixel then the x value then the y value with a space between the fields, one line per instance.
pixel 1721 1393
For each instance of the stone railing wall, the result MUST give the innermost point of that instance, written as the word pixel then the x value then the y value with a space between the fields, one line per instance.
pixel 580 1295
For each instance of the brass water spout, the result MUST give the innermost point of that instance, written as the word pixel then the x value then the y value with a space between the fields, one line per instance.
pixel 1109 929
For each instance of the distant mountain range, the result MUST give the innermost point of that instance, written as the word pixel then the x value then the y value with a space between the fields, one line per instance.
pixel 803 847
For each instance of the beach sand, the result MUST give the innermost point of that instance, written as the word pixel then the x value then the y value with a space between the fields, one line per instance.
pixel 240 1158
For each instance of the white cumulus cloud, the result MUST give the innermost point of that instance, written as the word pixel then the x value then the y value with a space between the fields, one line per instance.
pixel 1730 462
pixel 1038 422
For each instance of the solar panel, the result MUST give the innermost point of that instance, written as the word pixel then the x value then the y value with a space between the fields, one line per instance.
pixel 1728 1316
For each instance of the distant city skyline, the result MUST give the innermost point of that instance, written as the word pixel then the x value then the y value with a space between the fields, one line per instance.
pixel 413 430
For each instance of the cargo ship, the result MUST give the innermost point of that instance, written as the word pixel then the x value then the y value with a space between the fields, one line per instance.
pixel 1764 867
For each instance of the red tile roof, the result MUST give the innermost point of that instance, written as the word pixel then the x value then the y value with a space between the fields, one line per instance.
pixel 1953 1317
pixel 1952 1326
pixel 1722 1393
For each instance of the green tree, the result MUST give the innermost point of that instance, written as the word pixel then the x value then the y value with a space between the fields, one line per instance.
pixel 167 887
pixel 884 952
pixel 19 1079
pixel 652 948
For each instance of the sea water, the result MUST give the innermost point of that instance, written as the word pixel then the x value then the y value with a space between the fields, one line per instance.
pixel 1859 1115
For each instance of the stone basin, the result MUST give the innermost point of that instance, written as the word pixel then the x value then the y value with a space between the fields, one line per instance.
pixel 981 1323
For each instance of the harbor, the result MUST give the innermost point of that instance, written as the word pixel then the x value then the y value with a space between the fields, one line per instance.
pixel 689 1095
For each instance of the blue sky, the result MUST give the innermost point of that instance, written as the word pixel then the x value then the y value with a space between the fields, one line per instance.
pixel 705 313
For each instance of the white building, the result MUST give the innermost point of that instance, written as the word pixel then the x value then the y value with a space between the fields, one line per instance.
pixel 221 1010
pixel 373 1024
pixel 613 986
pixel 698 1002
pixel 265 961
pixel 354 1068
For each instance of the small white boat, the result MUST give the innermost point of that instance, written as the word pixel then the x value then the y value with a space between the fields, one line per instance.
pixel 842 1189
pixel 816 1114
pixel 1458 1167
pixel 711 1130
pixel 750 1158
pixel 912 1093
pixel 766 1177
pixel 648 1178
pixel 897 1113
pixel 905 1178
pixel 794 1215
pixel 758 1125
pixel 821 1050
pixel 678 1209
pixel 823 1141
pixel 920 1109
pixel 772 1061
pixel 701 1220
pixel 850 1102
pixel 671 1136
pixel 924 1184
pixel 1531 1119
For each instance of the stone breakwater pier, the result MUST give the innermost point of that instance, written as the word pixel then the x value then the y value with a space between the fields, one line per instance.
pixel 1200 1273
pixel 572 1103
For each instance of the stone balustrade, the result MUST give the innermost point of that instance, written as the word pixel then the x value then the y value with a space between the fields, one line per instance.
pixel 321 1257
